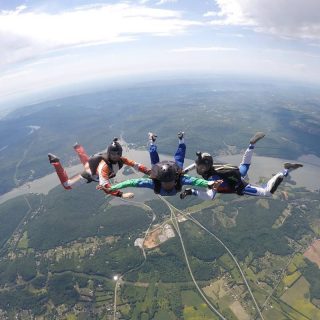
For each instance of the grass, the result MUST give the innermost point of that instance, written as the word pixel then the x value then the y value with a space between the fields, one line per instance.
pixel 200 206
pixel 225 302
pixel 194 307
pixel 298 298
pixel 274 313
pixel 201 312
pixel 124 309
pixel 298 261
pixel 259 294
pixel 190 298
pixel 226 262
pixel 215 290
pixel 238 310
pixel 315 226
pixel 144 316
pixel 99 304
pixel 23 243
pixel 236 276
pixel 101 293
pixel 250 275
pixel 164 315
pixel 289 280
pixel 103 298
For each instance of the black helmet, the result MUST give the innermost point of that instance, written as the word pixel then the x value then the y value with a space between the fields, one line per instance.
pixel 115 147
pixel 204 159
pixel 165 171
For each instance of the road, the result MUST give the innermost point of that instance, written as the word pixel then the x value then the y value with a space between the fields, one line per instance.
pixel 176 225
pixel 226 248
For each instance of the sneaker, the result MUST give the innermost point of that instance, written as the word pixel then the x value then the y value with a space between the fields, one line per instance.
pixel 53 158
pixel 292 166
pixel 180 135
pixel 152 136
pixel 186 192
pixel 258 136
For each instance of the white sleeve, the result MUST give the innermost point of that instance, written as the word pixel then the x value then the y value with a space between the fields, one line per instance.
pixel 207 195
pixel 189 168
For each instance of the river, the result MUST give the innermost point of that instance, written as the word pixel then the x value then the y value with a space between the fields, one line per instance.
pixel 308 176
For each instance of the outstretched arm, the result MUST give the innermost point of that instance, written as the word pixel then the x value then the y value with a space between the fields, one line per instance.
pixel 133 183
pixel 193 181
pixel 117 193
pixel 189 168
pixel 137 166
pixel 199 182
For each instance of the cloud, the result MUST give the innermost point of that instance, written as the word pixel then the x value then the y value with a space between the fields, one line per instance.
pixel 25 34
pixel 298 54
pixel 293 19
pixel 211 14
pixel 165 1
pixel 205 49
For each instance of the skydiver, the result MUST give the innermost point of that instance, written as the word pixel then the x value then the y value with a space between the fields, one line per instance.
pixel 166 177
pixel 99 168
pixel 232 177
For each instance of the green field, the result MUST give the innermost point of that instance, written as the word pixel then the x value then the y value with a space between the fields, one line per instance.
pixel 298 298
pixel 194 307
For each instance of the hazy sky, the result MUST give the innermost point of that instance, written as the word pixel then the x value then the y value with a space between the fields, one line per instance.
pixel 44 44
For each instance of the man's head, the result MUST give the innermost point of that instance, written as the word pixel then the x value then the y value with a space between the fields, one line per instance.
pixel 167 172
pixel 114 151
pixel 168 186
pixel 204 162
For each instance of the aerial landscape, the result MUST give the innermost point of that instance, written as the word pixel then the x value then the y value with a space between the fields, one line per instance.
pixel 83 254
pixel 60 251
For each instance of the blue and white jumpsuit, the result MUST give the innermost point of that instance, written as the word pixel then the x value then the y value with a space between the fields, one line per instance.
pixel 250 189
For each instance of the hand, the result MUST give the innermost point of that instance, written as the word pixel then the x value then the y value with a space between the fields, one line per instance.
pixel 100 187
pixel 128 195
pixel 214 185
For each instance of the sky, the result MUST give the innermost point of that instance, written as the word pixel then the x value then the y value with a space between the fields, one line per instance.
pixel 45 45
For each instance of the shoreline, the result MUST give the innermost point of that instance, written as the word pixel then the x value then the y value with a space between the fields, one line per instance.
pixel 308 176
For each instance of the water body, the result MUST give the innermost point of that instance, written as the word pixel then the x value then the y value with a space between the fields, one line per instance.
pixel 3 148
pixel 308 176
pixel 39 186
pixel 33 129
pixel 310 159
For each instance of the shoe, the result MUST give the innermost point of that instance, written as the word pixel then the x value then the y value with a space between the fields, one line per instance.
pixel 186 192
pixel 152 136
pixel 76 145
pixel 292 166
pixel 53 158
pixel 258 136
pixel 180 135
